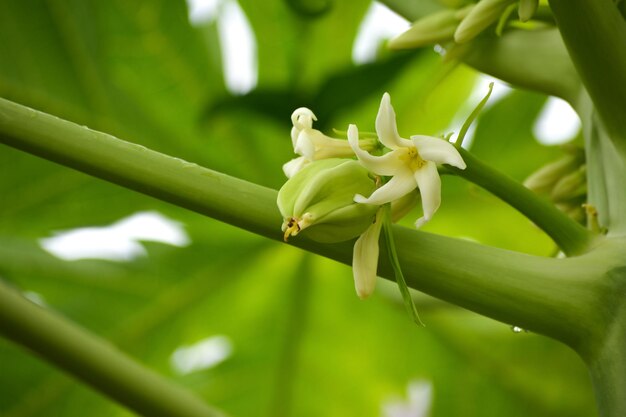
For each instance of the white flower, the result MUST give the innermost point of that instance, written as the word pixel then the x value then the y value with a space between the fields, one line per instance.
pixel 365 258
pixel 312 144
pixel 411 163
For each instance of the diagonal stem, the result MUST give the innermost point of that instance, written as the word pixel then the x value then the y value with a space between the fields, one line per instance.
pixel 93 360
pixel 569 235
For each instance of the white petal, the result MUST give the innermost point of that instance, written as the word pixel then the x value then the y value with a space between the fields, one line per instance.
pixel 304 145
pixel 327 147
pixel 387 164
pixel 292 167
pixel 294 136
pixel 302 118
pixel 365 259
pixel 439 151
pixel 401 184
pixel 386 125
pixel 429 183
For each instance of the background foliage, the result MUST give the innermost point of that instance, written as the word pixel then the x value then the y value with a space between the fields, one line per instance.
pixel 303 344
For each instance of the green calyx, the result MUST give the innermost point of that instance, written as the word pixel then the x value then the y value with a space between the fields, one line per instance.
pixel 319 201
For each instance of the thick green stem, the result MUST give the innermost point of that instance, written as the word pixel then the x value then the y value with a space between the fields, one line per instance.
pixel 136 167
pixel 570 236
pixel 607 363
pixel 93 360
pixel 594 32
pixel 551 296
pixel 608 374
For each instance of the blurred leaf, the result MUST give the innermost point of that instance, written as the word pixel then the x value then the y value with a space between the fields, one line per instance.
pixel 340 92
pixel 298 52
pixel 303 344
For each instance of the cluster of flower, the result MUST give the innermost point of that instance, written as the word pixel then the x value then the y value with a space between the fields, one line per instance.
pixel 451 25
pixel 336 199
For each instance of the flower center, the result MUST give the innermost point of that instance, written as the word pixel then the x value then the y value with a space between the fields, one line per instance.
pixel 414 159
pixel 292 228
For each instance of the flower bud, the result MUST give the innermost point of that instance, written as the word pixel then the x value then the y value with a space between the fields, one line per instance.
pixel 479 18
pixel 545 178
pixel 319 201
pixel 571 186
pixel 527 9
pixel 573 210
pixel 312 144
pixel 435 28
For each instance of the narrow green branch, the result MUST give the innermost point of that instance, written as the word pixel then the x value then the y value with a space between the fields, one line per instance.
pixel 395 266
pixel 570 236
pixel 556 297
pixel 473 115
pixel 93 360
pixel 594 32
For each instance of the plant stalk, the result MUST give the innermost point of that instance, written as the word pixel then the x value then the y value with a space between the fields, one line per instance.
pixel 607 363
pixel 571 237
pixel 594 32
pixel 93 360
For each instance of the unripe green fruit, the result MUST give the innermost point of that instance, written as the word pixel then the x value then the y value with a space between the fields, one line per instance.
pixel 319 201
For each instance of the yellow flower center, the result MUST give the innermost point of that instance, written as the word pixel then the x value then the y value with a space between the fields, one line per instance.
pixel 413 158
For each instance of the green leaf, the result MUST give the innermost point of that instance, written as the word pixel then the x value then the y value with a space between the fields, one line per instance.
pixel 303 344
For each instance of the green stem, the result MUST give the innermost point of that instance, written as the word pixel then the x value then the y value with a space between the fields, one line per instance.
pixel 136 167
pixel 395 266
pixel 555 297
pixel 473 115
pixel 608 373
pixel 570 236
pixel 594 32
pixel 94 361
